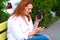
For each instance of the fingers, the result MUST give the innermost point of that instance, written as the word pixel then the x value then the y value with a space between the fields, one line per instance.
pixel 42 16
pixel 39 19
pixel 42 27
pixel 39 27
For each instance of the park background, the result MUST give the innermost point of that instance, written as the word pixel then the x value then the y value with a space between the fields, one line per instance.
pixel 50 10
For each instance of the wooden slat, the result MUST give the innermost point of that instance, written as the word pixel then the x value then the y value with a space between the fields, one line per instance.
pixel 3 26
pixel 3 36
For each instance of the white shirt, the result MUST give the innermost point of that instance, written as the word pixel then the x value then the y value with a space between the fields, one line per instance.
pixel 18 29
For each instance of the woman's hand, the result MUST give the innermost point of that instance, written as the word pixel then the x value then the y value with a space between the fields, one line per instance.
pixel 39 29
pixel 38 20
pixel 36 30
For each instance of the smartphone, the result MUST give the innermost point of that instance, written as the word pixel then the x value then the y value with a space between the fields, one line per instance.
pixel 39 14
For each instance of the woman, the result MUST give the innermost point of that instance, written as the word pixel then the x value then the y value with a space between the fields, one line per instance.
pixel 20 26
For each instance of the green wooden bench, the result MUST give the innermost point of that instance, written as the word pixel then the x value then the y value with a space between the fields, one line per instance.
pixel 3 30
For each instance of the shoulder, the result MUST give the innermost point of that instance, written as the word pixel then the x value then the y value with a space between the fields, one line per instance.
pixel 14 19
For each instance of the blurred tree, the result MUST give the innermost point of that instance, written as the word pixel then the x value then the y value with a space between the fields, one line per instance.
pixel 45 6
pixel 3 15
pixel 56 8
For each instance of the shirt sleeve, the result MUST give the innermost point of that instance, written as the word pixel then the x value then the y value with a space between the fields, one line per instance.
pixel 17 30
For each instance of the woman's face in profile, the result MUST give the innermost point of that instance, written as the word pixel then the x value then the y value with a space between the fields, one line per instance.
pixel 28 9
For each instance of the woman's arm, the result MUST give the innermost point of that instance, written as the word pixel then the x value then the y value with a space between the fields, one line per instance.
pixel 36 30
pixel 37 22
pixel 32 33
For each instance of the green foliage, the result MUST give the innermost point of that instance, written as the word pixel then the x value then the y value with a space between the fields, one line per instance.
pixel 45 6
pixel 2 5
pixel 56 8
pixel 3 16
